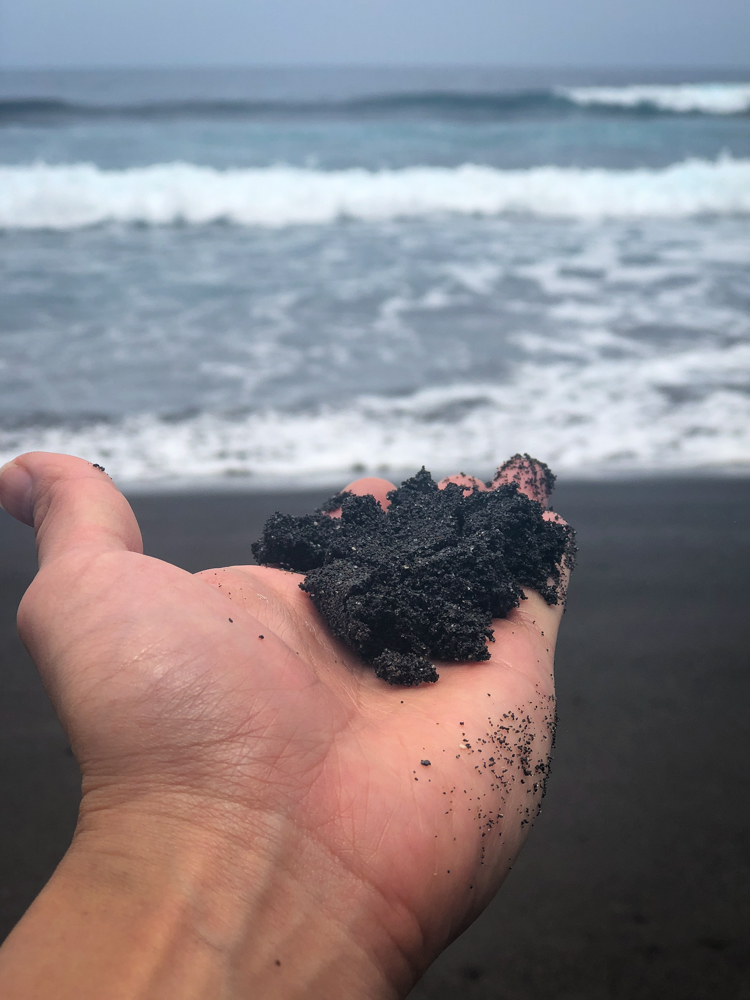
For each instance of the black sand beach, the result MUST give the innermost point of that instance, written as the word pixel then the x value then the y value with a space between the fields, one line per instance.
pixel 635 883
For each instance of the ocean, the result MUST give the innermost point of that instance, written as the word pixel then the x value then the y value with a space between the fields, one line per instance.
pixel 280 277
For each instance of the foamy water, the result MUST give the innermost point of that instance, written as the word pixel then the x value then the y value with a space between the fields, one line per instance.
pixel 607 417
pixel 64 197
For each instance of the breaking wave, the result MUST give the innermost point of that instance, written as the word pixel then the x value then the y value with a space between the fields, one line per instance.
pixel 561 102
pixel 41 196
pixel 704 98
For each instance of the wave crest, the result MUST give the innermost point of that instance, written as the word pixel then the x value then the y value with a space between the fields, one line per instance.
pixel 66 197
pixel 704 98
pixel 448 105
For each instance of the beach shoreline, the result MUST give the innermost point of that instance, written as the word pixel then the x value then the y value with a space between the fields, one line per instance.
pixel 634 883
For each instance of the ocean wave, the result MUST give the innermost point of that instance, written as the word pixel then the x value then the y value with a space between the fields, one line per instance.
pixel 441 105
pixel 560 102
pixel 685 411
pixel 65 197
pixel 704 98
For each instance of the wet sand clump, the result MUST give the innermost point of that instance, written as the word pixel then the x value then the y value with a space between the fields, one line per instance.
pixel 422 580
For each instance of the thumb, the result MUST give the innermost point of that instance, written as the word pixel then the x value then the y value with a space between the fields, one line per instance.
pixel 70 503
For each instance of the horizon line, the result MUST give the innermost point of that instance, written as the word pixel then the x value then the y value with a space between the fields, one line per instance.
pixel 387 66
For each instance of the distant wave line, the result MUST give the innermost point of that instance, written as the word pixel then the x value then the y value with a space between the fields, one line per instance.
pixel 559 102
pixel 71 196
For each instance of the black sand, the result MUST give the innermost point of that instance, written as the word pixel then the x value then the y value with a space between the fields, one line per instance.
pixel 422 580
pixel 635 883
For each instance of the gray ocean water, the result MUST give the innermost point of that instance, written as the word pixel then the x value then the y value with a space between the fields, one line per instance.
pixel 289 275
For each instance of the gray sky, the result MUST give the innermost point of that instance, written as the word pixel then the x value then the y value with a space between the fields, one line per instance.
pixel 79 33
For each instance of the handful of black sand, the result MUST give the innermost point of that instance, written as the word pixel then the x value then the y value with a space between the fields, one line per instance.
pixel 423 579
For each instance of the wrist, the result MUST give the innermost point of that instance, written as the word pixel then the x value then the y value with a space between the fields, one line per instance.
pixel 180 900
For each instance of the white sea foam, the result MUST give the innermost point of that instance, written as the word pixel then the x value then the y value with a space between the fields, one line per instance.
pixel 686 410
pixel 65 197
pixel 708 98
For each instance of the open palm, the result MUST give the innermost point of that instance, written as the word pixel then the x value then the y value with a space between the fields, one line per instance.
pixel 220 703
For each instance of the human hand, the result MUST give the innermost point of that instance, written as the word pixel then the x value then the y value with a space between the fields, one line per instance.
pixel 256 819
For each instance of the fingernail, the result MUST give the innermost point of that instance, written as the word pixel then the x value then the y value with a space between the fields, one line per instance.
pixel 17 492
